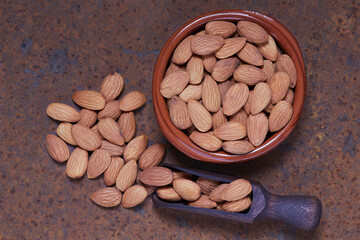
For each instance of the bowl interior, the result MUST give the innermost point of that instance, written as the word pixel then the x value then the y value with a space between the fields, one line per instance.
pixel 285 40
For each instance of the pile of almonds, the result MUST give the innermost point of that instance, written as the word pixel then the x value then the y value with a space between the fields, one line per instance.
pixel 105 130
pixel 228 86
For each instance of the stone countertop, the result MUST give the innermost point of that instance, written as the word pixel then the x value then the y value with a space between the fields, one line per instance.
pixel 49 50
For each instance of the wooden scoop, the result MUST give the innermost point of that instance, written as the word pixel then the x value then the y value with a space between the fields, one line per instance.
pixel 303 212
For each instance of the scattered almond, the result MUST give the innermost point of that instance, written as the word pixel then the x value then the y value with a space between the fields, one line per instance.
pixel 187 190
pixel 156 176
pixel 87 118
pixel 168 193
pixel 110 110
pixel 62 112
pixel 135 148
pixel 132 101
pixel 110 130
pixel 112 86
pixel 126 176
pixel 127 125
pixel 106 197
pixel 113 170
pixel 134 196
pixel 64 132
pixel 99 161
pixel 57 148
pixel 77 164
pixel 236 190
pixel 113 149
pixel 152 156
pixel 89 99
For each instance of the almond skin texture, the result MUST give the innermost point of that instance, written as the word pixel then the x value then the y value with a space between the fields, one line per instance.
pixel 174 83
pixel 182 175
pixel 269 49
pixel 168 193
pixel 215 194
pixel 110 110
pixel 247 104
pixel 206 141
pixel 191 92
pixel 195 69
pixel 87 118
pixel 224 69
pixel 210 94
pixel 235 97
pixel 150 189
pixel 249 75
pixel 110 130
pixel 206 44
pixel 113 170
pixel 236 190
pixel 259 98
pixel 230 131
pixel 251 54
pixel 199 116
pixel 257 128
pixel 269 69
pixel 253 32
pixel 57 148
pixel 285 64
pixel 64 132
pixel 179 113
pixel 95 130
pixel 207 185
pixel 135 148
pixel 203 202
pixel 209 61
pixel 77 164
pixel 106 197
pixel 223 29
pixel 218 118
pixel 279 86
pixel 134 196
pixel 240 116
pixel 269 107
pixel 289 97
pixel 174 68
pixel 126 176
pixel 224 86
pixel 156 176
pixel 127 125
pixel 99 161
pixel 113 149
pixel 152 156
pixel 112 86
pixel 89 99
pixel 230 47
pixel 187 190
pixel 62 112
pixel 183 51
pixel 280 116
pixel 238 147
pixel 132 101
pixel 237 206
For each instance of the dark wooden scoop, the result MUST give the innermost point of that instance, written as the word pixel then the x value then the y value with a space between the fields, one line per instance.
pixel 303 212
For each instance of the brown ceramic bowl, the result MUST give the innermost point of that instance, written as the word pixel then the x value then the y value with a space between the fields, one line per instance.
pixel 285 40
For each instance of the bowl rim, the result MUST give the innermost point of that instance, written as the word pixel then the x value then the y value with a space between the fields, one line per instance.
pixel 284 38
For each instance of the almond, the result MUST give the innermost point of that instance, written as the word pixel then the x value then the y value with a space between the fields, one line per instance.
pixel 113 149
pixel 280 116
pixel 152 156
pixel 285 64
pixel 269 49
pixel 237 206
pixel 89 99
pixel 257 128
pixel 168 193
pixel 112 86
pixel 224 86
pixel 57 148
pixel 259 98
pixel 62 112
pixel 207 185
pixel 182 175
pixel 150 189
pixel 279 85
pixel 195 69
pixel 127 125
pixel 201 33
pixel 106 197
pixel 209 61
pixel 249 75
pixel 251 54
pixel 247 104
pixel 174 83
pixel 174 68
pixel 203 202
pixel 99 161
pixel 218 118
pixel 240 116
pixel 199 116
pixel 156 176
pixel 289 97
pixel 110 130
pixel 178 113
pixel 269 69
pixel 206 44
pixel 230 47
pixel 224 69
pixel 235 97
pixel 64 132
pixel 132 101
pixel 95 130
pixel 110 110
pixel 230 131
pixel 236 190
pixel 206 141
pixel 87 118
pixel 135 148
pixel 187 190
pixel 77 164
pixel 210 94
pixel 134 196
pixel 215 194
pixel 127 176
pixel 85 138
pixel 223 29
pixel 191 92
pixel 269 107
pixel 183 51
pixel 238 147
pixel 253 32
pixel 113 170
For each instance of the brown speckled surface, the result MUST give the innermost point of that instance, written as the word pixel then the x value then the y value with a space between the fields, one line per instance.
pixel 50 50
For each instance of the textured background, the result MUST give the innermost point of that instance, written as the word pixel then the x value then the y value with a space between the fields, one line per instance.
pixel 49 50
